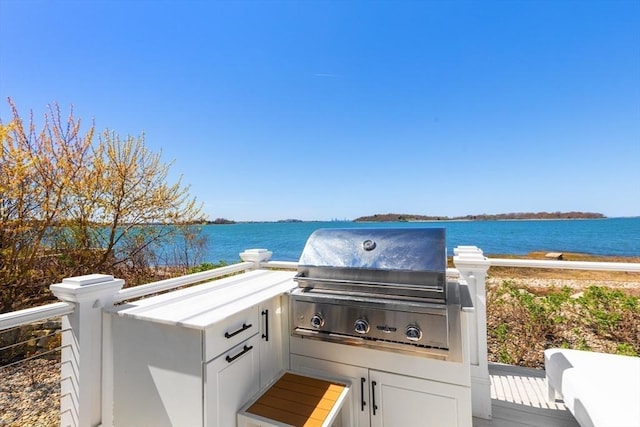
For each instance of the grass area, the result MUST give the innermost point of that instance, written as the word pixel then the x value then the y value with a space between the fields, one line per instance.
pixel 531 309
pixel 522 322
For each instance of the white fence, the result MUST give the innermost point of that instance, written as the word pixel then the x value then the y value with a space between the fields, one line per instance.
pixel 85 380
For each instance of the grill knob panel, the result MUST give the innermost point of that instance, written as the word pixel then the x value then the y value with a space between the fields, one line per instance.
pixel 413 333
pixel 361 326
pixel 317 321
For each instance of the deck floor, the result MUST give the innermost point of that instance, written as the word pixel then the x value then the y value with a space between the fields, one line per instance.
pixel 519 398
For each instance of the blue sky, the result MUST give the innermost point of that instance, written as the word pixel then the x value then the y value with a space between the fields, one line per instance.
pixel 338 109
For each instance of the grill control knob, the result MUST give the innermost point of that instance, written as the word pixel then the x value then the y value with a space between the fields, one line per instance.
pixel 361 326
pixel 317 321
pixel 413 333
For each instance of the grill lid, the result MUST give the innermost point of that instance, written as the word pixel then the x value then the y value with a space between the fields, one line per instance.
pixel 408 249
pixel 391 259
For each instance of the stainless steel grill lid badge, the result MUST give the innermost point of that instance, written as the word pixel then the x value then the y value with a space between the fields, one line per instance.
pixel 368 245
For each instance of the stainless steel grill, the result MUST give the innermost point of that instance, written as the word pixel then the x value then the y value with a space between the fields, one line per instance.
pixel 383 288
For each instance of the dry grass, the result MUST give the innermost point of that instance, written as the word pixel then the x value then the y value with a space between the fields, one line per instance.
pixel 531 309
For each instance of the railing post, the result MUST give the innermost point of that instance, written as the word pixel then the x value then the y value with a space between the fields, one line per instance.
pixel 81 360
pixel 473 266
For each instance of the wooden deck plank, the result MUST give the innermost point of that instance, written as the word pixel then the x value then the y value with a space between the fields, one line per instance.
pixel 518 398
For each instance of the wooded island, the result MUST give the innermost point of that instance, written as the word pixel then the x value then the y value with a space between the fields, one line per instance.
pixel 392 217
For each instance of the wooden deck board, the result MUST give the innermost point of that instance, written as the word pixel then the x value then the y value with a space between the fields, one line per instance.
pixel 518 398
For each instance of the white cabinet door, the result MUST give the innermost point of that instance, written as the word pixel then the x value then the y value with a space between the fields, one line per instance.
pixel 271 356
pixel 355 412
pixel 398 400
pixel 230 381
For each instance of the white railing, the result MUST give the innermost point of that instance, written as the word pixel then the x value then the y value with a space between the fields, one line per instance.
pixel 473 267
pixel 177 282
pixel 85 298
pixel 567 265
pixel 27 316
pixel 22 350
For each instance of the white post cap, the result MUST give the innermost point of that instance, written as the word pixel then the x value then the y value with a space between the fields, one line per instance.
pixel 87 288
pixel 256 255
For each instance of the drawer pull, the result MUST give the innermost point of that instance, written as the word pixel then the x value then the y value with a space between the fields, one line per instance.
pixel 233 334
pixel 246 349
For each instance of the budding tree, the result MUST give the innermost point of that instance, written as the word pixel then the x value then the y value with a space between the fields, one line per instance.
pixel 72 204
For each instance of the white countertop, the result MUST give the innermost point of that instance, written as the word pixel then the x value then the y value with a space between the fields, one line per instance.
pixel 204 305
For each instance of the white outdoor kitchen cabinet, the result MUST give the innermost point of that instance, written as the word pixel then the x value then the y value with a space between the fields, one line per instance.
pixel 408 391
pixel 194 357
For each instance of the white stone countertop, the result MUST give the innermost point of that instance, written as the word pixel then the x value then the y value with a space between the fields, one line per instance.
pixel 203 305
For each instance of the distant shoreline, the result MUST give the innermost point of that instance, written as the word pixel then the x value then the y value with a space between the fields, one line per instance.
pixel 517 216
pixel 413 220
pixel 358 220
pixel 514 219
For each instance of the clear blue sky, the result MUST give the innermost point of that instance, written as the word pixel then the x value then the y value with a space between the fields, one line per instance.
pixel 338 109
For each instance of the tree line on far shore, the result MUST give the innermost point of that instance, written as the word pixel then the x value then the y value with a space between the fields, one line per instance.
pixel 392 217
pixel 76 202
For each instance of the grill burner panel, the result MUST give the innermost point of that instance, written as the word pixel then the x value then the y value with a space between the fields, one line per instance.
pixel 419 325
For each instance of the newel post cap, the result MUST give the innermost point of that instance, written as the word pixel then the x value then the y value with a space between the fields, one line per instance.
pixel 470 257
pixel 87 288
pixel 256 255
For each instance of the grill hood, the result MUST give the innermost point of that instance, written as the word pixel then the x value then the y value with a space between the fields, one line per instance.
pixel 399 261
pixel 403 249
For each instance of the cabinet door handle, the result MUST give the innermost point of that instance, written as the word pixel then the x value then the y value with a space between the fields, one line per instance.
pixel 373 396
pixel 246 349
pixel 265 313
pixel 362 401
pixel 233 334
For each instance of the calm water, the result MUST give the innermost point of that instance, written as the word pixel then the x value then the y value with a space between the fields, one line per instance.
pixel 615 236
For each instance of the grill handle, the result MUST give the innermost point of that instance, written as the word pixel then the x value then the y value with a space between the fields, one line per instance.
pixel 309 282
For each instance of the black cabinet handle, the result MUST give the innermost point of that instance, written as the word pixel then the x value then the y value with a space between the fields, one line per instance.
pixel 373 396
pixel 246 349
pixel 265 313
pixel 362 401
pixel 233 334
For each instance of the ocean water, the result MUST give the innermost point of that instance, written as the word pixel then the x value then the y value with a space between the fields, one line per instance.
pixel 612 236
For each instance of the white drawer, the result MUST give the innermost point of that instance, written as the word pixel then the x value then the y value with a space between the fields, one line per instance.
pixel 231 331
